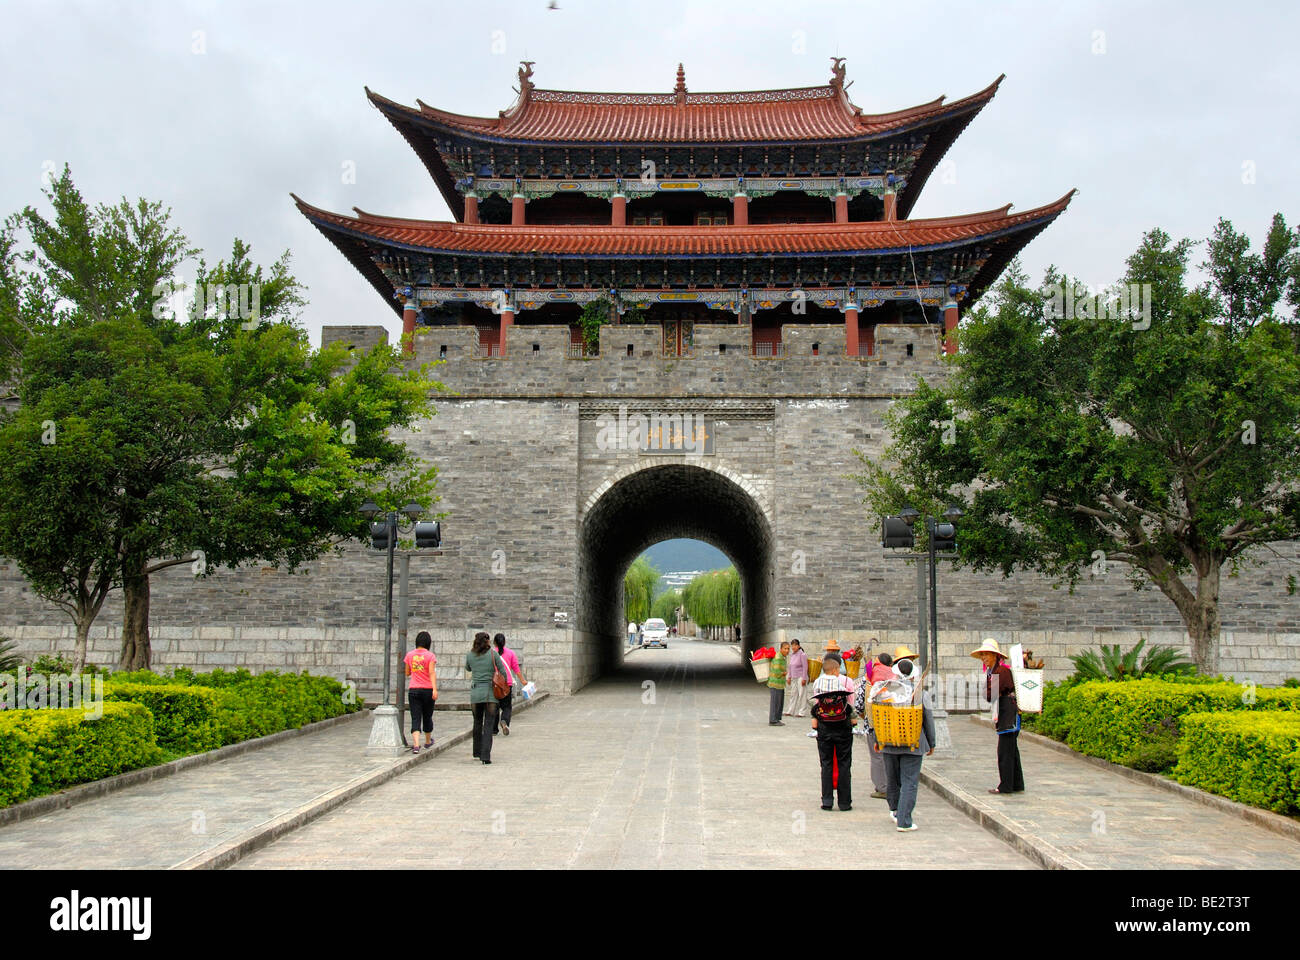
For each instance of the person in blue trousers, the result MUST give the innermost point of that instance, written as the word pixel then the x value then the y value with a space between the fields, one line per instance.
pixel 903 764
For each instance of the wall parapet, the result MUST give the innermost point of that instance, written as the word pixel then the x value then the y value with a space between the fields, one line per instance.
pixel 539 361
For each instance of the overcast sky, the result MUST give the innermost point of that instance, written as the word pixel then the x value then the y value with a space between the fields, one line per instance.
pixel 1162 114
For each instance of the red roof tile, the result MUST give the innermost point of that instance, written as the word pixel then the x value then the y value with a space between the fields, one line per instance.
pixel 790 115
pixel 678 241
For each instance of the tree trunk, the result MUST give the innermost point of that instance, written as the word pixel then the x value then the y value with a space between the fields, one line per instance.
pixel 1200 611
pixel 1203 624
pixel 83 622
pixel 135 622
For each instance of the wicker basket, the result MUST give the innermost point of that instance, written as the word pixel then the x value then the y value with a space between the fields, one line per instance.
pixel 814 670
pixel 1029 689
pixel 896 726
pixel 761 669
pixel 853 668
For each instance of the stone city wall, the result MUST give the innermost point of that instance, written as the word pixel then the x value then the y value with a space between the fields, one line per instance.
pixel 518 468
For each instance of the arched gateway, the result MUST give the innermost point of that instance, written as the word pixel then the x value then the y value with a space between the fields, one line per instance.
pixel 646 504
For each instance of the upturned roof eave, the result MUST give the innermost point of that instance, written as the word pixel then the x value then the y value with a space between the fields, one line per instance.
pixel 996 224
pixel 894 124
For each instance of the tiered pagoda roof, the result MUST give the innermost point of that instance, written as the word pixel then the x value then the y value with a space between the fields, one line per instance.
pixel 454 145
pixel 808 142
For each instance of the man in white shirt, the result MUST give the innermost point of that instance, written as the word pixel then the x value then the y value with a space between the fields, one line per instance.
pixel 631 634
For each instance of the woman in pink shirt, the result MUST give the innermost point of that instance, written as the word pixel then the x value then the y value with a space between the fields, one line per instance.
pixel 505 704
pixel 422 690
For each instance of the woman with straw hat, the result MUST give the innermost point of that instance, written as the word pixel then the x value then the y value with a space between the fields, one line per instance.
pixel 903 652
pixel 1000 689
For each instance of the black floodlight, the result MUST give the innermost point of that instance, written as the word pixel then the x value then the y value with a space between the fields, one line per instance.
pixel 428 535
pixel 896 532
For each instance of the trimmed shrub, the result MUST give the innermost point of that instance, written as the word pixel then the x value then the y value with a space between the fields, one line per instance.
pixel 186 719
pixel 48 749
pixel 1250 756
pixel 281 701
pixel 196 712
pixel 1155 755
pixel 1136 721
pixel 1115 719
pixel 15 760
pixel 66 747
pixel 141 676
pixel 1277 698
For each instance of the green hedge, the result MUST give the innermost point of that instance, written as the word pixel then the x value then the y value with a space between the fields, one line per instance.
pixel 196 712
pixel 1250 756
pixel 46 750
pixel 1135 722
pixel 145 712
pixel 15 759
pixel 186 719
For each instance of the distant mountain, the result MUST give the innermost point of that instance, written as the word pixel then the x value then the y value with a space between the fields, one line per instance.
pixel 672 555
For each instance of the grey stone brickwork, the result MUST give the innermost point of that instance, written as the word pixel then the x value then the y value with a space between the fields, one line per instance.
pixel 541 521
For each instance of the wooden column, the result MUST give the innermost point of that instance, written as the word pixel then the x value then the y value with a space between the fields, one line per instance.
pixel 851 331
pixel 409 311
pixel 618 215
pixel 891 205
pixel 740 210
pixel 517 210
pixel 841 208
pixel 950 327
pixel 507 319
pixel 471 209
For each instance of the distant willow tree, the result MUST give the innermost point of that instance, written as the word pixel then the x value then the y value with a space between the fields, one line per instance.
pixel 712 600
pixel 638 590
pixel 1078 435
pixel 145 440
pixel 665 606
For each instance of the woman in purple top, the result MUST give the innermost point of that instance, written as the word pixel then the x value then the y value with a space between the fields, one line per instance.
pixel 506 704
pixel 797 678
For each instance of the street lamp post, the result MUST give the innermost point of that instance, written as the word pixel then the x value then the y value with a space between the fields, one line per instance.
pixel 386 729
pixel 939 537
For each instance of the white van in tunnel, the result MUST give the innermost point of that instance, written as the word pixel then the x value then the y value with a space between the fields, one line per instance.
pixel 654 633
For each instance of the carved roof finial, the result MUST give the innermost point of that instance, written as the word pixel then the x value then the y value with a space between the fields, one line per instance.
pixel 837 72
pixel 680 89
pixel 525 77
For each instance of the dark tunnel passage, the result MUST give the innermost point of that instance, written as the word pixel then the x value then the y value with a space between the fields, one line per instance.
pixel 660 503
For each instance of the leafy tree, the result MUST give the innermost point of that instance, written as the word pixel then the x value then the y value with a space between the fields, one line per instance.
pixel 223 433
pixel 595 315
pixel 638 588
pixel 665 606
pixel 1167 443
pixel 712 599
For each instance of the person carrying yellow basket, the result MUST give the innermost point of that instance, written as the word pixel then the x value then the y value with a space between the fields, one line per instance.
pixel 902 741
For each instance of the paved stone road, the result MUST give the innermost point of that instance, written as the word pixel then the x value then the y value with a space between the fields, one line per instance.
pixel 683 773
pixel 1105 820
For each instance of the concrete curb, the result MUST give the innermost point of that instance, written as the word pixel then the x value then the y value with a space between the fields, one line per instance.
pixel 233 850
pixel 1001 826
pixel 1258 816
pixel 39 806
